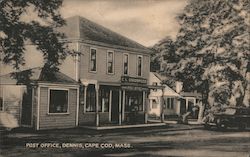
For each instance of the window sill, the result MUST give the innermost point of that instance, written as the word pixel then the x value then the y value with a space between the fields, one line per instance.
pixel 56 114
pixel 94 72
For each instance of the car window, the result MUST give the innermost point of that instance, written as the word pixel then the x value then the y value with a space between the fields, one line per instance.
pixel 230 111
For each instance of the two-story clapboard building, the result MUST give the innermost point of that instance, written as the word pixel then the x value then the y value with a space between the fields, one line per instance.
pixel 105 82
pixel 113 71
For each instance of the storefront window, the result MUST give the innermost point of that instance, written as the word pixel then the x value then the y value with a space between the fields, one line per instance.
pixel 104 100
pixel 58 101
pixel 91 99
pixel 133 100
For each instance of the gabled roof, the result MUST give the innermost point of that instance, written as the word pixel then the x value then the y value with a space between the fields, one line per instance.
pixel 37 75
pixel 87 31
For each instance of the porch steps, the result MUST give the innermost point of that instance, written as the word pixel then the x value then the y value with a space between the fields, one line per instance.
pixel 123 126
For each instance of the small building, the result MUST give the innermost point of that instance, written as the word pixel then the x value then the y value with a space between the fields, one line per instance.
pixel 41 102
pixel 164 100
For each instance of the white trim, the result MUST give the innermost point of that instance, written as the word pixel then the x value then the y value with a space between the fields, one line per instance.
pixel 123 104
pixel 112 46
pixel 92 48
pixel 51 85
pixel 32 105
pixel 113 62
pixel 38 108
pixel 64 89
pixel 141 65
pixel 77 107
pixel 123 63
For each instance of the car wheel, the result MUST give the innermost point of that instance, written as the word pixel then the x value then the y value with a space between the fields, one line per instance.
pixel 242 126
pixel 207 126
pixel 220 125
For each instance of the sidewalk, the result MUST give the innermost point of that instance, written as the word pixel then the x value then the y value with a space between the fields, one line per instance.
pixel 175 122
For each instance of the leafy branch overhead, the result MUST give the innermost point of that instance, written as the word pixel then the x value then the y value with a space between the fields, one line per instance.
pixel 17 31
pixel 213 51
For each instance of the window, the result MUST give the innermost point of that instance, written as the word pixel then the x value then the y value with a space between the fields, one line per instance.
pixel 154 103
pixel 170 103
pixel 92 59
pixel 139 65
pixel 58 101
pixel 125 64
pixel 110 62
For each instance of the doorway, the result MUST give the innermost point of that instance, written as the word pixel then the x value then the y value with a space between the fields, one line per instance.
pixel 115 106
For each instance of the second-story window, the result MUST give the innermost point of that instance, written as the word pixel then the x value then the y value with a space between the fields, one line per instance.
pixel 92 59
pixel 125 64
pixel 110 62
pixel 139 65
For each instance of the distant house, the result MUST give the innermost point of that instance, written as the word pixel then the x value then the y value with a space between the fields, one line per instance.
pixel 41 103
pixel 164 98
pixel 169 102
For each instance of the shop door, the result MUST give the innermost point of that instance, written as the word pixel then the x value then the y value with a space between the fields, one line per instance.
pixel 27 108
pixel 115 106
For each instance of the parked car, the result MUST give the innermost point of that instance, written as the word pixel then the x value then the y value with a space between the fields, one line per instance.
pixel 229 117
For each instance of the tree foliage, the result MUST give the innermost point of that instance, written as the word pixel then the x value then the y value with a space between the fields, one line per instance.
pixel 213 49
pixel 16 32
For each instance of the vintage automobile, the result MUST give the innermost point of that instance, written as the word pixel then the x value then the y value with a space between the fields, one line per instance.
pixel 229 117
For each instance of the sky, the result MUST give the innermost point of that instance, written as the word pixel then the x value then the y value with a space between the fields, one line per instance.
pixel 144 21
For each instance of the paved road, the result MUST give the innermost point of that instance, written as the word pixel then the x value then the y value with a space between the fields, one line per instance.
pixel 172 140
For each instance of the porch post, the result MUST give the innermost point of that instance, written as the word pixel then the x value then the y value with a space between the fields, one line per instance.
pixel 110 102
pixel 186 104
pixel 123 104
pixel 120 107
pixel 162 105
pixel 85 98
pixel 178 106
pixel 97 104
pixel 145 108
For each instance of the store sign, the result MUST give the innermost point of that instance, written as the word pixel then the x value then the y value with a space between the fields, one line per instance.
pixel 134 88
pixel 127 79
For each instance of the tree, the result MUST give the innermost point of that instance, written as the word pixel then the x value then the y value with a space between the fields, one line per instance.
pixel 164 53
pixel 15 32
pixel 213 45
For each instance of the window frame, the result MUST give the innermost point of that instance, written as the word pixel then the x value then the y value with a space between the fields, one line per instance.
pixel 123 61
pixel 63 89
pixel 137 65
pixel 113 62
pixel 2 96
pixel 93 71
pixel 170 105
